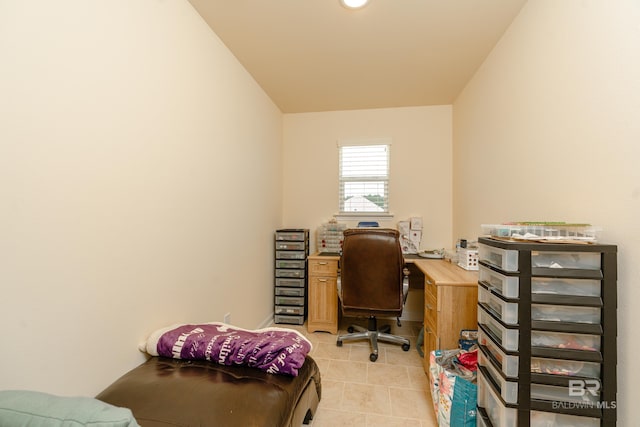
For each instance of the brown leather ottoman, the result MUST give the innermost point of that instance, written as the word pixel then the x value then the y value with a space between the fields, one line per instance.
pixel 188 393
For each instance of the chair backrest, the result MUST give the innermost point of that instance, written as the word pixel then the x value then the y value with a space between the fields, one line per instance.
pixel 371 274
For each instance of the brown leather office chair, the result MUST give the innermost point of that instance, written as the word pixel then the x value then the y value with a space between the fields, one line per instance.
pixel 373 282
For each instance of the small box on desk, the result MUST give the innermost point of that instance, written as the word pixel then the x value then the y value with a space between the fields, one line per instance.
pixel 416 223
pixel 468 259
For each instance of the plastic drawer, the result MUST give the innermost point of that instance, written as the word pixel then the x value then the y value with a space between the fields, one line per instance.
pixel 283 309
pixel 565 313
pixel 574 260
pixel 293 320
pixel 291 255
pixel 292 246
pixel 506 260
pixel 506 286
pixel 548 419
pixel 331 241
pixel 506 311
pixel 509 362
pixel 508 389
pixel 507 338
pixel 499 414
pixel 573 287
pixel 299 274
pixel 565 341
pixel 287 263
pixel 289 300
pixel 291 235
pixel 284 281
pixel 563 394
pixel 541 365
pixel 290 292
pixel 480 421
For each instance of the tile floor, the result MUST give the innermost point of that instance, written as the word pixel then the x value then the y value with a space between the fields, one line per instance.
pixel 393 391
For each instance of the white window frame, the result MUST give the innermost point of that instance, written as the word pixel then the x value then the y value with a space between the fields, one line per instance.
pixel 380 177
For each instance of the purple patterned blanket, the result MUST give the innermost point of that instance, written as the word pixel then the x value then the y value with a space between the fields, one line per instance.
pixel 273 350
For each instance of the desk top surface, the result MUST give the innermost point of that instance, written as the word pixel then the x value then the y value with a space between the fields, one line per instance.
pixel 441 271
pixel 445 273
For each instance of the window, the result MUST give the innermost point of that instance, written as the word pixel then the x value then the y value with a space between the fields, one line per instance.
pixel 364 177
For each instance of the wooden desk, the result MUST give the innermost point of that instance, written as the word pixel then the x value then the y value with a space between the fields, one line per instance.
pixel 450 304
pixel 450 300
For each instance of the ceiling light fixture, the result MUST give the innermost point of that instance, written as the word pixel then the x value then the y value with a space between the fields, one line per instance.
pixel 354 4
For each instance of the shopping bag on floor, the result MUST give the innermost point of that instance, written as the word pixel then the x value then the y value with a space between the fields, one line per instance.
pixel 453 389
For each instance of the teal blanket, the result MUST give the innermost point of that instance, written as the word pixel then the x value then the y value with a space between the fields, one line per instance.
pixel 22 408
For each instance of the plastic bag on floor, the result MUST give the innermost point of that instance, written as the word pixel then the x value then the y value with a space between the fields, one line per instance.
pixel 453 388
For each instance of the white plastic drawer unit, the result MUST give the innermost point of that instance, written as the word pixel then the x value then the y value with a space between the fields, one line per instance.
pixel 499 414
pixel 507 338
pixel 508 389
pixel 298 235
pixel 565 313
pixel 295 283
pixel 298 311
pixel 290 273
pixel 566 368
pixel 572 287
pixel 290 292
pixel 281 300
pixel 548 419
pixel 291 255
pixel 293 320
pixel 507 286
pixel 562 394
pixel 506 311
pixel 565 341
pixel 508 363
pixel 505 260
pixel 573 260
pixel 481 422
pixel 288 263
pixel 292 246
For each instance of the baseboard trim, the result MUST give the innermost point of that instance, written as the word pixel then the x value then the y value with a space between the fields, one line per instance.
pixel 268 321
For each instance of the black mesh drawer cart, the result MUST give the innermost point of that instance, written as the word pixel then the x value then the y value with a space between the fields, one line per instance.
pixel 291 252
pixel 547 334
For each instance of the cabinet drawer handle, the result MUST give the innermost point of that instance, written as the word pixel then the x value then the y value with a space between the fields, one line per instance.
pixel 429 282
pixel 323 263
pixel 322 280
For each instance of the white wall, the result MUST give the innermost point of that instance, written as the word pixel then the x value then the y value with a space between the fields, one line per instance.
pixel 140 182
pixel 420 169
pixel 548 130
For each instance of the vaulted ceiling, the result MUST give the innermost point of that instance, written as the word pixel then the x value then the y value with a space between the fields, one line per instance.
pixel 316 55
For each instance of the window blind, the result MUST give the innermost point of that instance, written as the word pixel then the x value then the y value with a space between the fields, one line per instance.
pixel 364 178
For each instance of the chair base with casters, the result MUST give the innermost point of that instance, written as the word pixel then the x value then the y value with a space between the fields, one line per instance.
pixel 373 334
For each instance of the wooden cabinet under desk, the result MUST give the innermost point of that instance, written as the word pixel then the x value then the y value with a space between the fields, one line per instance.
pixel 450 304
pixel 323 293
